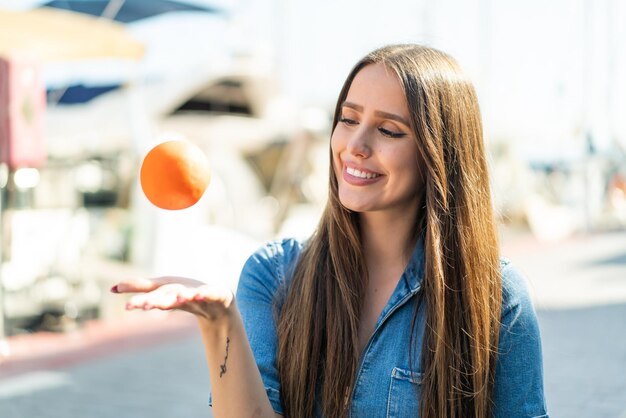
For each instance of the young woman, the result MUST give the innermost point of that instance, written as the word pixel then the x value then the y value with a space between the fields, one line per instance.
pixel 399 304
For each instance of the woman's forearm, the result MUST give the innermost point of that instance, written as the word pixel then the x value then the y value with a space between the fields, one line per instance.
pixel 236 385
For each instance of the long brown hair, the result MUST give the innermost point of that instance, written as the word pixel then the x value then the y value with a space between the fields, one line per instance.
pixel 319 318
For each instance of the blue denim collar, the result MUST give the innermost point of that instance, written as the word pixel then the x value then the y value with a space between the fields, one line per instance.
pixel 414 272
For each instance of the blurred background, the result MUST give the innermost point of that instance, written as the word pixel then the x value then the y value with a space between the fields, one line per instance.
pixel 88 87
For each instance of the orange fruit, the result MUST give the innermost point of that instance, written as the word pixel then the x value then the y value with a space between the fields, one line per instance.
pixel 174 175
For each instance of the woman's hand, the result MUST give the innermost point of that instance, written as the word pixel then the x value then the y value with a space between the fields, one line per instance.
pixel 208 302
pixel 236 383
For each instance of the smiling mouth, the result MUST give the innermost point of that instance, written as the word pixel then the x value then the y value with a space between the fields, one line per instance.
pixel 361 174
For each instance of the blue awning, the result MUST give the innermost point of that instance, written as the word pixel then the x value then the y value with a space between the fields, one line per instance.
pixel 78 93
pixel 131 10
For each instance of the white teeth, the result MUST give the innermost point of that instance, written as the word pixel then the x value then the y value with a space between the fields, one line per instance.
pixel 361 174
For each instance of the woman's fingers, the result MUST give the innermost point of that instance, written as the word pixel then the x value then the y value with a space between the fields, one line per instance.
pixel 148 285
pixel 187 294
pixel 137 285
pixel 208 301
pixel 163 297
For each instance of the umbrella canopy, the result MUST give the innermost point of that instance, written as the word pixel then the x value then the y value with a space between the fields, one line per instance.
pixel 131 10
pixel 57 35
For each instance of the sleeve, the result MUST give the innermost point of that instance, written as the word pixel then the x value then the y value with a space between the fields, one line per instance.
pixel 518 388
pixel 260 279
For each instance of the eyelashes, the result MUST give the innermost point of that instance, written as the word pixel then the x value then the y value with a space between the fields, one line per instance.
pixel 347 121
pixel 391 134
pixel 383 131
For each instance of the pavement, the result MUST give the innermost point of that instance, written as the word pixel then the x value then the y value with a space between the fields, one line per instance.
pixel 583 270
pixel 93 340
pixel 579 289
pixel 151 364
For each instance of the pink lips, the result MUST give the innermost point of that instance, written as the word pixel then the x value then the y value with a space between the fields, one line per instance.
pixel 358 181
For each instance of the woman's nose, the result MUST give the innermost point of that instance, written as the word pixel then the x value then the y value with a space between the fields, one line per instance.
pixel 358 144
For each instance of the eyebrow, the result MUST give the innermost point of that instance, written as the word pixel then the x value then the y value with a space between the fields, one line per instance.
pixel 379 113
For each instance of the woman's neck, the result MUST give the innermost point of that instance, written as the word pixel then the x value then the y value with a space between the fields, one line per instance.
pixel 387 239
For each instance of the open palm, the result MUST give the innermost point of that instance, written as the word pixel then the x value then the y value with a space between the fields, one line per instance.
pixel 210 302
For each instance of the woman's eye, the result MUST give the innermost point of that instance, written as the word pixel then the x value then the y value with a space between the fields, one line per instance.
pixel 348 121
pixel 391 134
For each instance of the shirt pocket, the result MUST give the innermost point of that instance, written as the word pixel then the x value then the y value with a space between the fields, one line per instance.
pixel 403 400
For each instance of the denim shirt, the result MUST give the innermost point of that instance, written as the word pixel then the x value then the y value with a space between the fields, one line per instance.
pixel 385 385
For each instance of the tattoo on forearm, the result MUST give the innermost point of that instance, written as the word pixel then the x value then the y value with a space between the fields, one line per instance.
pixel 223 366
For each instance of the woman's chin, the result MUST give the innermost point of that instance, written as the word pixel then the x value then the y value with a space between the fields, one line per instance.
pixel 356 206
